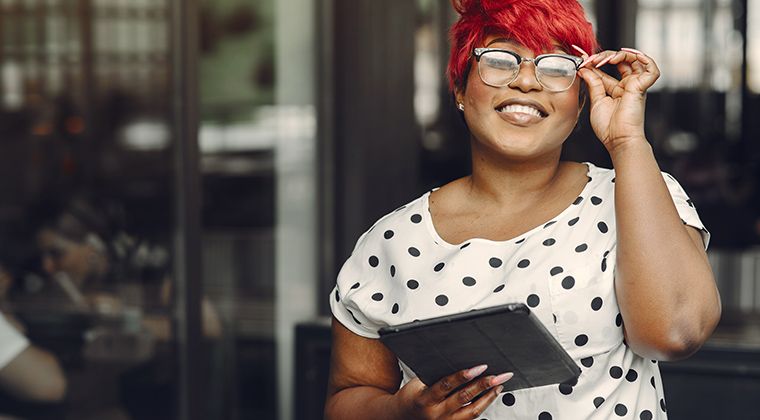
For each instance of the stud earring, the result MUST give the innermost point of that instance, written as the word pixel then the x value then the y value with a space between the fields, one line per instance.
pixel 460 106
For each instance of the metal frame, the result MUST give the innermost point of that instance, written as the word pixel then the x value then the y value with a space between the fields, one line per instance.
pixel 187 244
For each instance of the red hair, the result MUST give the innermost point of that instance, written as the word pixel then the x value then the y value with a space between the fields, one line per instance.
pixel 536 24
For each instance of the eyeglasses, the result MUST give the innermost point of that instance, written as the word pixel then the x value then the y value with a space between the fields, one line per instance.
pixel 555 72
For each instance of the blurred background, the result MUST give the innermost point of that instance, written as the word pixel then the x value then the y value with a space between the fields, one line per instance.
pixel 181 180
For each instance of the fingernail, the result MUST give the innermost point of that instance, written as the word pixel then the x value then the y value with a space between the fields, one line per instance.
pixel 603 62
pixel 504 377
pixel 632 50
pixel 586 61
pixel 499 389
pixel 477 370
pixel 579 49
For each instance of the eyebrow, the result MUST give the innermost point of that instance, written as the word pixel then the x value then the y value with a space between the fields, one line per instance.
pixel 512 41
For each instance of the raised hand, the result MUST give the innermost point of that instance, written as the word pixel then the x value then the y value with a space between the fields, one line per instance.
pixel 617 106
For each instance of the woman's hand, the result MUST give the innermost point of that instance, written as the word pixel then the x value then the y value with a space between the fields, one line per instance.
pixel 457 396
pixel 617 106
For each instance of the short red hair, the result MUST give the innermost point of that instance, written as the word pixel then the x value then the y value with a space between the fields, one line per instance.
pixel 536 24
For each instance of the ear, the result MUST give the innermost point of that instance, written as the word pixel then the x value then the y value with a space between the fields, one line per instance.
pixel 458 96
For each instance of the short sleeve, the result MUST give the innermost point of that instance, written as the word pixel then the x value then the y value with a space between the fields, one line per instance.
pixel 685 207
pixel 350 296
pixel 12 342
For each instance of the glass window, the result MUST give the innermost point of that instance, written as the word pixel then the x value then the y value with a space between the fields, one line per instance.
pixel 753 46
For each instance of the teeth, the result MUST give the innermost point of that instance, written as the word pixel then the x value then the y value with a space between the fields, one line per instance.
pixel 524 109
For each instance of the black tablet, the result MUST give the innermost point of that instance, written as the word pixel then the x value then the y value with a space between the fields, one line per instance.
pixel 508 338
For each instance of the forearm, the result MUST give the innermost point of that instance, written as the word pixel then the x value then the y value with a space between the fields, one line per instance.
pixel 364 402
pixel 664 283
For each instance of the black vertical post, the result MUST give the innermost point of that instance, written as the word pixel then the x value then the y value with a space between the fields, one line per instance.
pixel 187 254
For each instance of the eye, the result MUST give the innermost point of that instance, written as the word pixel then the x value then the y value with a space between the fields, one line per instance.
pixel 557 67
pixel 499 60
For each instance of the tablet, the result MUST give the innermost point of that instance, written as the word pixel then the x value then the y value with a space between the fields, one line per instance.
pixel 508 338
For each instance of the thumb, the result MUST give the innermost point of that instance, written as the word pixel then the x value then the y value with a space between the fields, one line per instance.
pixel 596 90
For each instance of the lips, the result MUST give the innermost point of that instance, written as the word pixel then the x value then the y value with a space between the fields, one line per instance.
pixel 522 112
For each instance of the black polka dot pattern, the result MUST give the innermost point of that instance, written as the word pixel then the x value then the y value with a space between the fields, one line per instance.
pixel 407 273
pixel 662 405
pixel 596 303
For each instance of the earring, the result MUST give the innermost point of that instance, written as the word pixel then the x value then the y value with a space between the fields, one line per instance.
pixel 460 106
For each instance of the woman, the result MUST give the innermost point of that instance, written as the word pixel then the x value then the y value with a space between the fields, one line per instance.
pixel 612 262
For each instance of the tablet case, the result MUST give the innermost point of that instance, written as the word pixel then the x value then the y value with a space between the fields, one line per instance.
pixel 508 338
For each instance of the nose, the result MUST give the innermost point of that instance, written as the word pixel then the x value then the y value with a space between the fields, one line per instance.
pixel 526 77
pixel 48 264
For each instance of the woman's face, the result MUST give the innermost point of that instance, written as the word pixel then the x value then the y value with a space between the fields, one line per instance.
pixel 60 254
pixel 515 132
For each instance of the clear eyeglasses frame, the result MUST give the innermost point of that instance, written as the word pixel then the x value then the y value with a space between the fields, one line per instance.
pixel 498 68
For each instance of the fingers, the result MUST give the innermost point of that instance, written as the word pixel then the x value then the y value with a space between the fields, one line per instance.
pixel 471 391
pixel 474 410
pixel 639 72
pixel 441 389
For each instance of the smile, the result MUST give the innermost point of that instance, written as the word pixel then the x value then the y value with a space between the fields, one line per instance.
pixel 521 109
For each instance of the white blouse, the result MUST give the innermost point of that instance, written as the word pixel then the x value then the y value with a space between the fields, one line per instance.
pixel 401 270
pixel 12 342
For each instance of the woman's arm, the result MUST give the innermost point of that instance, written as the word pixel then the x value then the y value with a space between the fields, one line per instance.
pixel 664 283
pixel 34 375
pixel 665 286
pixel 365 378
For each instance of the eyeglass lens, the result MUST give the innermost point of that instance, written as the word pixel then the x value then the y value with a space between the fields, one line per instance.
pixel 498 68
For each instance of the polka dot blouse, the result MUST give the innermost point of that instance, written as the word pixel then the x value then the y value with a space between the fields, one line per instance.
pixel 401 270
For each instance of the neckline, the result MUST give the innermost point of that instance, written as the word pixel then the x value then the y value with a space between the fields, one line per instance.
pixel 517 240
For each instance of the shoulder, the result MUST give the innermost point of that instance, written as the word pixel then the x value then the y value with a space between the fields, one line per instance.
pixel 389 225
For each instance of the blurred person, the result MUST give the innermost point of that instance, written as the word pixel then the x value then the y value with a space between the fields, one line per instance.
pixel 124 283
pixel 611 261
pixel 27 372
pixel 89 256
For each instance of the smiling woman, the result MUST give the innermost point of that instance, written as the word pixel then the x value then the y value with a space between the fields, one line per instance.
pixel 565 238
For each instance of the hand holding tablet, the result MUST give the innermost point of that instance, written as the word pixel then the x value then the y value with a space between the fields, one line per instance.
pixel 506 338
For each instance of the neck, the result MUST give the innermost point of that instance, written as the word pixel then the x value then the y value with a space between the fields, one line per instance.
pixel 499 181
